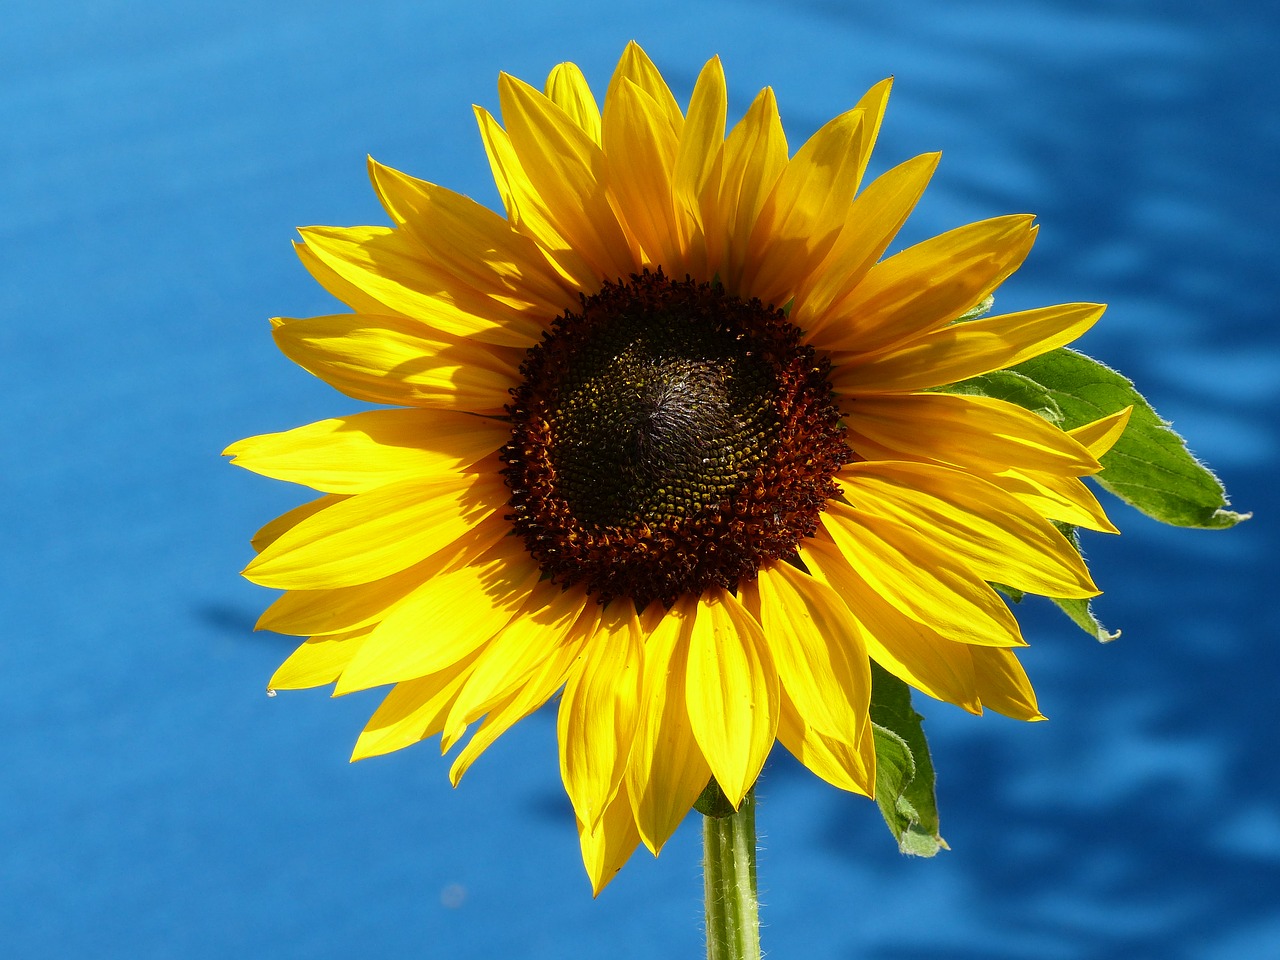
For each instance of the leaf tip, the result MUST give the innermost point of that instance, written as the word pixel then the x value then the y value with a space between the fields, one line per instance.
pixel 916 841
pixel 1220 520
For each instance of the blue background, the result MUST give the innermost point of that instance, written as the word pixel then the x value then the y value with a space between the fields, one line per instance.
pixel 154 802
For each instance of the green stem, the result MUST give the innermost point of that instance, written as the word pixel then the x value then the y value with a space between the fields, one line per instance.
pixel 729 865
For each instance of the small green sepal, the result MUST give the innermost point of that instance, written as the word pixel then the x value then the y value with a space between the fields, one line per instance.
pixel 979 309
pixel 713 803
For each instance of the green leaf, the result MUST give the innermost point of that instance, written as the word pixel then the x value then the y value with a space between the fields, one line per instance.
pixel 1150 467
pixel 1081 613
pixel 895 769
pixel 1079 610
pixel 904 771
pixel 1013 593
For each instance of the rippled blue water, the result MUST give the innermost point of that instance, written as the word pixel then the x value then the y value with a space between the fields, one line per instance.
pixel 155 803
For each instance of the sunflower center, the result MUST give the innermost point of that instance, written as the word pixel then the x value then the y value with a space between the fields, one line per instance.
pixel 658 418
pixel 667 437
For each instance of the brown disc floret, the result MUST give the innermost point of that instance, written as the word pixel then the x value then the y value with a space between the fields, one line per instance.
pixel 666 437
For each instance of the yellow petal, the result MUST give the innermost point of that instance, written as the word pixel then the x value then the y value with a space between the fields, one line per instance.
pixel 651 616
pixel 964 350
pixel 978 432
pixel 392 269
pixel 973 521
pixel 639 148
pixel 318 661
pixel 446 619
pixel 597 719
pixel 755 154
pixel 567 88
pixel 610 844
pixel 319 612
pixel 667 771
pixel 400 361
pixel 913 652
pixel 471 244
pixel 373 535
pixel 412 711
pixel 697 154
pixel 358 453
pixel 1101 435
pixel 870 224
pixel 925 583
pixel 1059 498
pixel 531 694
pixel 851 768
pixel 872 104
pixel 1003 685
pixel 635 67
pixel 817 647
pixel 805 211
pixel 567 170
pixel 925 287
pixel 344 290
pixel 543 623
pixel 732 694
pixel 525 208
pixel 271 531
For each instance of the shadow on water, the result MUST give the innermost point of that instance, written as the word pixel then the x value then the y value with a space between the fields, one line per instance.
pixel 228 619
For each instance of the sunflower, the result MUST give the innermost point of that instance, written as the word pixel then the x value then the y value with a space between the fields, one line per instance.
pixel 664 437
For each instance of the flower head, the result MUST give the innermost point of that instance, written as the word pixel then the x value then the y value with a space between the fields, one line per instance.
pixel 664 436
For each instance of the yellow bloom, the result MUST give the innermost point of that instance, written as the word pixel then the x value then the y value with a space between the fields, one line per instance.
pixel 662 437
